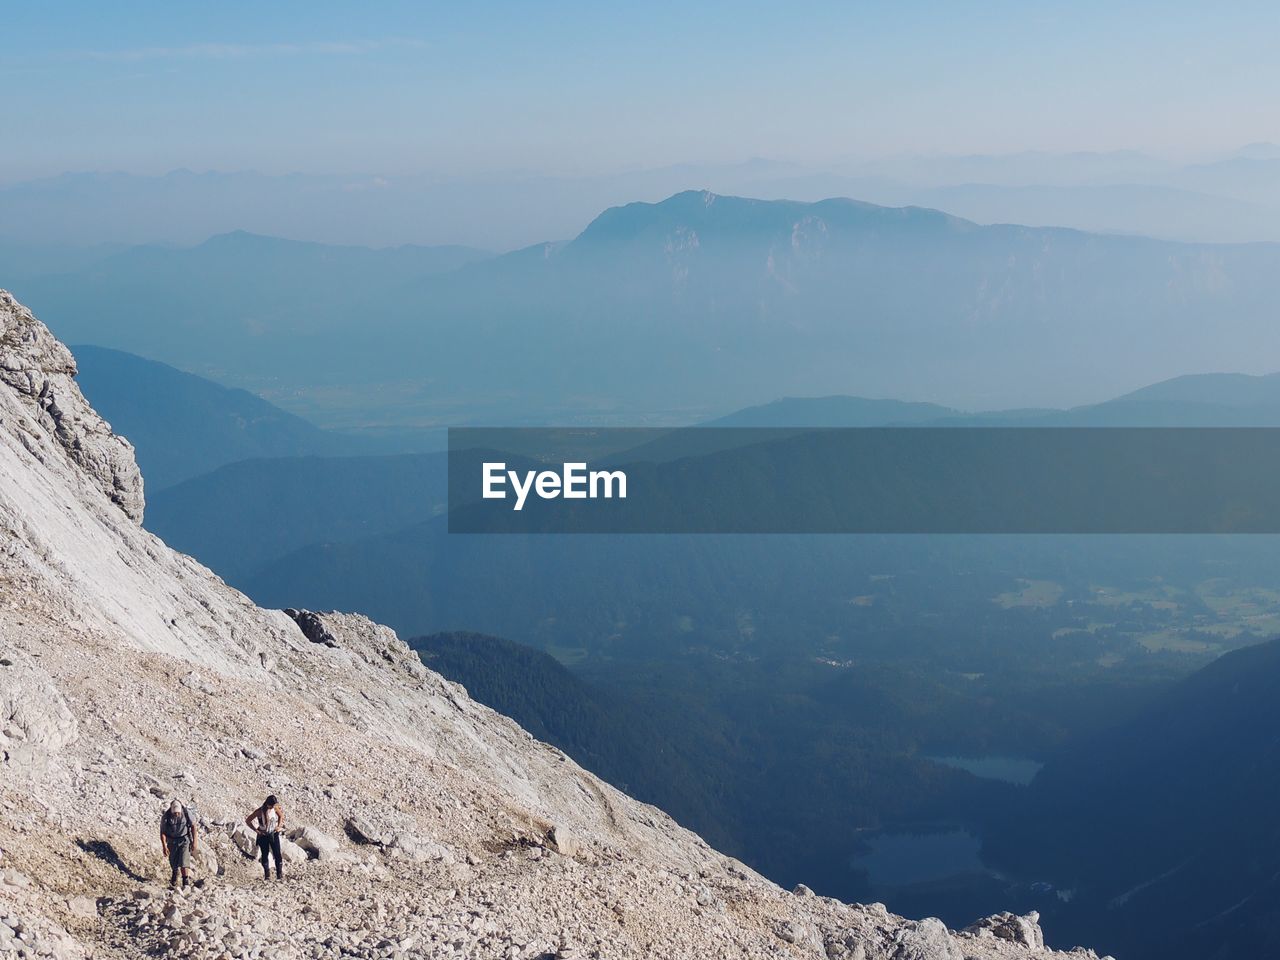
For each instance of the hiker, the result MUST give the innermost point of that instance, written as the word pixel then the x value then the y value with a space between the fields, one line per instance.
pixel 268 821
pixel 178 840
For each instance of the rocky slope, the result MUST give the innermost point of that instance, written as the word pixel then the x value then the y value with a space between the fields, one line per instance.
pixel 424 823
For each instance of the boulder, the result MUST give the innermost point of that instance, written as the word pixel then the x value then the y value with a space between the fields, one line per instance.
pixel 849 946
pixel 801 935
pixel 312 627
pixel 1024 931
pixel 562 841
pixel 35 721
pixel 290 852
pixel 362 830
pixel 420 849
pixel 245 840
pixel 13 878
pixel 926 939
pixel 194 681
pixel 207 859
pixel 318 845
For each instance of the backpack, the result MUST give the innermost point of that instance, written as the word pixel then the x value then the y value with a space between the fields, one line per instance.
pixel 167 825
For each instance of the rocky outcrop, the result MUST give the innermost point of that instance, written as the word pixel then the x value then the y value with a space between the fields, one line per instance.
pixel 432 826
pixel 40 370
pixel 22 937
pixel 35 721
pixel 315 843
pixel 312 626
pixel 1011 928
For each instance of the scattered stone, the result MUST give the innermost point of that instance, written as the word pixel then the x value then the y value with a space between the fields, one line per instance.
pixel 194 681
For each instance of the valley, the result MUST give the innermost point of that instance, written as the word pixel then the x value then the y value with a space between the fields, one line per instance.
pixel 891 698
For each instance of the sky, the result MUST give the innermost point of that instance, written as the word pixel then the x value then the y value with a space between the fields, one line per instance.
pixel 578 88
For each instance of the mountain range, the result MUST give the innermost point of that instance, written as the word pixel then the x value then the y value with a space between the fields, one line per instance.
pixel 1231 197
pixel 680 310
pixel 199 425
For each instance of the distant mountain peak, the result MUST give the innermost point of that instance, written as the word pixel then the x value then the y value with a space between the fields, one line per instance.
pixel 1223 389
pixel 242 238
pixel 1261 150
pixel 734 215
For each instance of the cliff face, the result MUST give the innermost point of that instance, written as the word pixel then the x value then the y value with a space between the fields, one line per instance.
pixel 423 824
pixel 39 370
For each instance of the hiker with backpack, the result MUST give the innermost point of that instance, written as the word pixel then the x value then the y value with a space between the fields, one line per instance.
pixel 178 840
pixel 268 821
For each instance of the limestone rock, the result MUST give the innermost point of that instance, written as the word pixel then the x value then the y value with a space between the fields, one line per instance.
pixel 362 830
pixel 560 839
pixel 14 878
pixel 926 939
pixel 290 852
pixel 1024 931
pixel 245 840
pixel 35 720
pixel 312 627
pixel 318 845
pixel 420 850
pixel 40 370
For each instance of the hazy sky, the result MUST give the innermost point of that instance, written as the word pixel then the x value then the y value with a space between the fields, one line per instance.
pixel 580 87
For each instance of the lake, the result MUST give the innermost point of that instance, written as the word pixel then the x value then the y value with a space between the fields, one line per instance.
pixel 1017 770
pixel 900 858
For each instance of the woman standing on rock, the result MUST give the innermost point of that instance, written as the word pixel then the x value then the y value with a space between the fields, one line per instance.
pixel 177 840
pixel 268 821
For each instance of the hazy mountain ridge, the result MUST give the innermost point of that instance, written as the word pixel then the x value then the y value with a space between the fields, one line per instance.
pixel 197 425
pixel 839 281
pixel 676 309
pixel 835 411
pixel 186 425
pixel 1232 198
pixel 290 503
pixel 221 303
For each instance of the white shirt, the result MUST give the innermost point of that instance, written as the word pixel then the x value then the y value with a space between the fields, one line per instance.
pixel 269 820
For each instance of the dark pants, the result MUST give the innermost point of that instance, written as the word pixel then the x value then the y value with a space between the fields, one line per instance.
pixel 269 844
